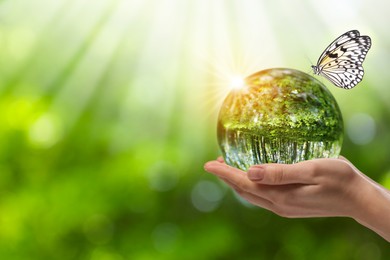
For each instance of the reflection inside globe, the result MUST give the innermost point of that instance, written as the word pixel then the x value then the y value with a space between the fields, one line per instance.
pixel 279 116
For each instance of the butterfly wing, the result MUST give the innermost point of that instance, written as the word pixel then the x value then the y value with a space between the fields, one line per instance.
pixel 336 43
pixel 346 80
pixel 341 62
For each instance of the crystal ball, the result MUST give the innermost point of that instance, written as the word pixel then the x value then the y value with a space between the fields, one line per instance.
pixel 279 116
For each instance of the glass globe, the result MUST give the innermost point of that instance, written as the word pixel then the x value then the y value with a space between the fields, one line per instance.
pixel 279 116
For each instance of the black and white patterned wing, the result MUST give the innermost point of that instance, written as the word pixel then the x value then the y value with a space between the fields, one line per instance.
pixel 341 62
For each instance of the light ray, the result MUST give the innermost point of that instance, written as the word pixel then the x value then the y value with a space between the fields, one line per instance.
pixel 28 66
pixel 235 49
pixel 76 77
pixel 157 71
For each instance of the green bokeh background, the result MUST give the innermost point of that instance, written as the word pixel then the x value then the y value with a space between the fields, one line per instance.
pixel 108 112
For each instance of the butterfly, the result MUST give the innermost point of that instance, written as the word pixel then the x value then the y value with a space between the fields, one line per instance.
pixel 341 62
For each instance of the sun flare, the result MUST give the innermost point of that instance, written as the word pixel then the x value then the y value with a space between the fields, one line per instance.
pixel 236 82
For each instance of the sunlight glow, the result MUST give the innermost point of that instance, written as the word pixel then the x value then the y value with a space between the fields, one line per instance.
pixel 236 82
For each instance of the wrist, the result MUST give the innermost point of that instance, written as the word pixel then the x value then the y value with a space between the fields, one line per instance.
pixel 373 209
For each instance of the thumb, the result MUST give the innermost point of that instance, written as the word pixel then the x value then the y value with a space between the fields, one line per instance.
pixel 280 174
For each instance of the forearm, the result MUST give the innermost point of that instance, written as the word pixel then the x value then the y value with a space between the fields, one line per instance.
pixel 375 211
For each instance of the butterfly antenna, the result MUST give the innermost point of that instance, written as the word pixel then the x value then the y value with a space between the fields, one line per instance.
pixel 310 62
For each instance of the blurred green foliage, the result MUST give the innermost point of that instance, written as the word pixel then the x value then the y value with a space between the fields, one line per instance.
pixel 107 115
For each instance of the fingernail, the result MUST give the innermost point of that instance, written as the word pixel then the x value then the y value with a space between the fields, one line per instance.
pixel 256 173
pixel 207 166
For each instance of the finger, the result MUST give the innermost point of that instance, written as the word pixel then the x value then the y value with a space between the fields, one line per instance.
pixel 222 170
pixel 233 175
pixel 257 201
pixel 268 193
pixel 250 197
pixel 344 159
pixel 281 174
pixel 220 159
pixel 238 180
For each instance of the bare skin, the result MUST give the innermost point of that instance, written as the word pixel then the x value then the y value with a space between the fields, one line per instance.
pixel 315 188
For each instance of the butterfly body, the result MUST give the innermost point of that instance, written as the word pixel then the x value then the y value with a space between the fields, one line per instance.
pixel 341 62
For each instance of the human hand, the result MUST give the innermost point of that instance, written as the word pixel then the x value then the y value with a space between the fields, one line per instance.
pixel 315 188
